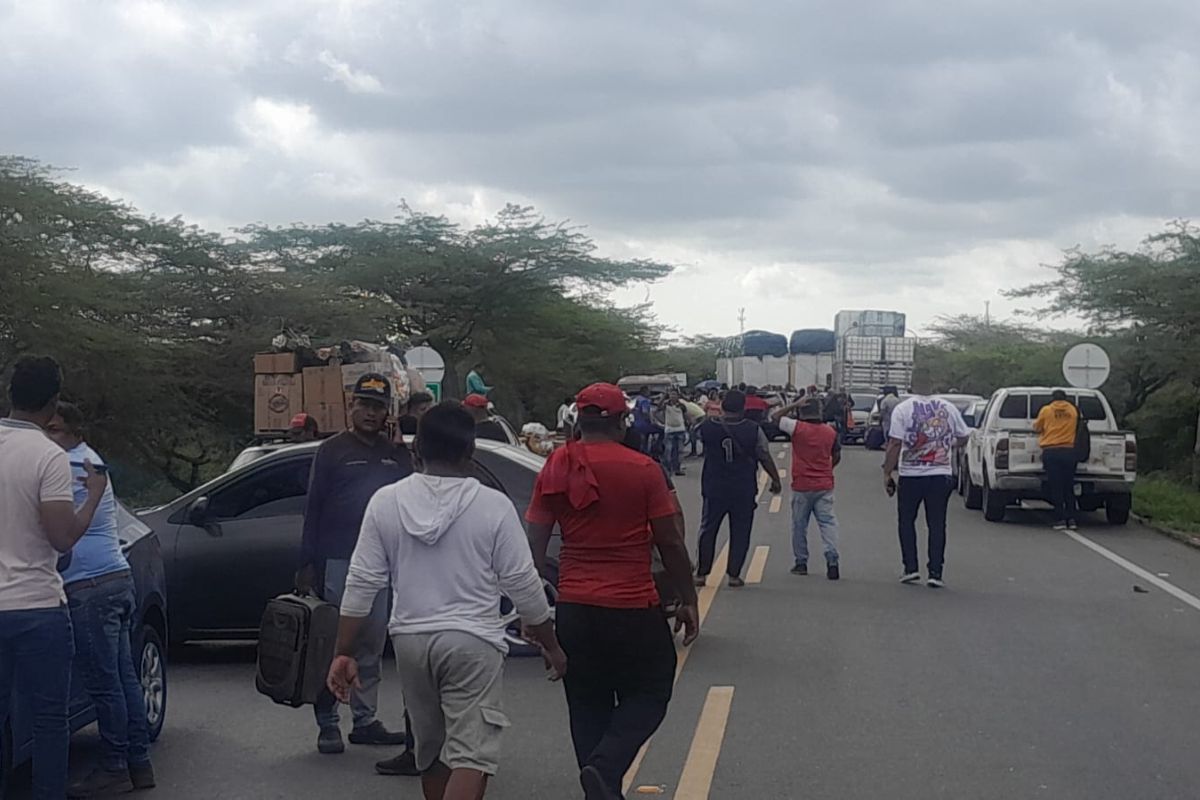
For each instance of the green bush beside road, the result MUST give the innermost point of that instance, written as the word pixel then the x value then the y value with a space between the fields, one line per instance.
pixel 1168 503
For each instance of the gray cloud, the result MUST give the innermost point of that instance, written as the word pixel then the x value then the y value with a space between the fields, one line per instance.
pixel 797 157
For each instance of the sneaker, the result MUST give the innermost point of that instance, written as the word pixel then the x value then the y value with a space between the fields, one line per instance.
pixel 403 764
pixel 142 776
pixel 935 582
pixel 910 577
pixel 594 787
pixel 735 582
pixel 100 782
pixel 832 572
pixel 1072 525
pixel 701 580
pixel 376 734
pixel 329 741
pixel 800 569
pixel 1060 526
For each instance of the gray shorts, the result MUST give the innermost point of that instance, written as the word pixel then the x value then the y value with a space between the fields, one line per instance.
pixel 452 687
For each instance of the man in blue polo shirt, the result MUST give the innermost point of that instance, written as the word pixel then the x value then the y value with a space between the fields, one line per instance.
pixel 101 599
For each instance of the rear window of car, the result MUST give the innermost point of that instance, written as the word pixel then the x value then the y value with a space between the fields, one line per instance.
pixel 1089 405
pixel 1015 406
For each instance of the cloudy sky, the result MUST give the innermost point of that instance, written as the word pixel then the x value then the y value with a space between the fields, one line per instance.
pixel 793 158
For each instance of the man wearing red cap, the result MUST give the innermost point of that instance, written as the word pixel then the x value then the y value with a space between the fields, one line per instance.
pixel 303 428
pixel 613 507
pixel 486 426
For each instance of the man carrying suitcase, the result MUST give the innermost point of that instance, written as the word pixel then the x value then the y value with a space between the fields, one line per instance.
pixel 348 469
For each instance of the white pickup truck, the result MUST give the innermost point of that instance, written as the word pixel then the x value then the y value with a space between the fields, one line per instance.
pixel 1004 460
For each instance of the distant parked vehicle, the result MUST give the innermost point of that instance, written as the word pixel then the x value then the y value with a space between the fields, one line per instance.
pixel 1004 460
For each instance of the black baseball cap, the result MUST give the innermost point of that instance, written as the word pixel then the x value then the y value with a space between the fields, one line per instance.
pixel 373 386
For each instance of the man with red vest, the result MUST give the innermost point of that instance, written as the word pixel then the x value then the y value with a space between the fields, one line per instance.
pixel 816 450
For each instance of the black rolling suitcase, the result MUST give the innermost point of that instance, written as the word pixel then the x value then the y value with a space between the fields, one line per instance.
pixel 296 641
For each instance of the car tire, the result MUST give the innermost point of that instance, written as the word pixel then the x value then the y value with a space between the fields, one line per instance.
pixel 518 647
pixel 151 660
pixel 994 503
pixel 972 494
pixel 1116 509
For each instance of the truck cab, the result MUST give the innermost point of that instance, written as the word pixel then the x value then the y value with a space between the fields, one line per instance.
pixel 1004 460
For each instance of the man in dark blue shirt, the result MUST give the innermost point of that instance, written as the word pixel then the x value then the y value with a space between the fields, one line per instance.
pixel 734 447
pixel 346 473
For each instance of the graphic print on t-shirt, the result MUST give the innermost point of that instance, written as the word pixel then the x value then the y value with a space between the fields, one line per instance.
pixel 929 436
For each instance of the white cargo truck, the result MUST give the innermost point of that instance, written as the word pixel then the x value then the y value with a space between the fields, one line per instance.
pixel 874 362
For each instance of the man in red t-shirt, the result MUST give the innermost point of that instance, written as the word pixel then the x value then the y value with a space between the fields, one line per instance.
pixel 815 452
pixel 613 507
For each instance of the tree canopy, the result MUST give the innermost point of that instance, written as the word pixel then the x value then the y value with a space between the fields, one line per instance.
pixel 156 321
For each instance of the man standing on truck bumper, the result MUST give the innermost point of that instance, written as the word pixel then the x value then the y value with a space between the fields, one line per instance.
pixel 921 440
pixel 346 472
pixel 1055 425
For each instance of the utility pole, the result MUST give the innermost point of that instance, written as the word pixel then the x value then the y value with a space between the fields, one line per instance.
pixel 987 313
pixel 742 320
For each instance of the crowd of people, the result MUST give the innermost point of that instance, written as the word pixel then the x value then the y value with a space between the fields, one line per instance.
pixel 403 535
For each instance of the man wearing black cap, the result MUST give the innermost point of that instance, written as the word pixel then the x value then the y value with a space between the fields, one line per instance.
pixel 733 449
pixel 348 469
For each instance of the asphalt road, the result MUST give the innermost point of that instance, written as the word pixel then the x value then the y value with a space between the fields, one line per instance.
pixel 1038 672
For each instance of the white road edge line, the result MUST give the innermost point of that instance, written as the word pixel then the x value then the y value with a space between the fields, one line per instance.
pixel 1149 577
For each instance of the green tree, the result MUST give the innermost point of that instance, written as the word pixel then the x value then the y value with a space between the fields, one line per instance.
pixel 460 291
pixel 1149 301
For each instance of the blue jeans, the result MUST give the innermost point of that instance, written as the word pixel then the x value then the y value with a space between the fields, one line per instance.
pixel 35 660
pixel 675 440
pixel 819 505
pixel 364 701
pixel 102 617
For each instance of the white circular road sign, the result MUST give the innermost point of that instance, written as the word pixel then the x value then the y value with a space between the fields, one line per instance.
pixel 1086 366
pixel 428 362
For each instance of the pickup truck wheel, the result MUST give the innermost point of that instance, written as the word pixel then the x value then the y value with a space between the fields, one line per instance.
pixel 1116 509
pixel 994 503
pixel 973 496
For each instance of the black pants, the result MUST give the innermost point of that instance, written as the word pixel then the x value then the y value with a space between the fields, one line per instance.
pixel 740 510
pixel 1060 475
pixel 934 492
pixel 621 669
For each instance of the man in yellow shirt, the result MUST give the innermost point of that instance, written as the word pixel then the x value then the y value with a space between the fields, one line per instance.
pixel 1055 425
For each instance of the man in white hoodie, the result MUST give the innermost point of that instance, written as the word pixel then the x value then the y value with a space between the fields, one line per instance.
pixel 449 548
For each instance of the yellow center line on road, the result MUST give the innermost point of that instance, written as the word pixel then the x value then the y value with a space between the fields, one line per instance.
pixel 695 782
pixel 705 597
pixel 782 474
pixel 758 563
pixel 763 480
pixel 776 503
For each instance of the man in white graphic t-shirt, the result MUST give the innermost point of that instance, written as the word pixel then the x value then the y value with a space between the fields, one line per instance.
pixel 921 438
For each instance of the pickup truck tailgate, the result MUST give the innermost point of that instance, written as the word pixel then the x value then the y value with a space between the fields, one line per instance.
pixel 1107 458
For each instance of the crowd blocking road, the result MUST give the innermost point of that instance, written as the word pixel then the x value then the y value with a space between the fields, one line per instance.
pixel 1039 672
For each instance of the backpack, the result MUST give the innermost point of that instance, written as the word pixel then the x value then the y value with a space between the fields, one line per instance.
pixel 1083 439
